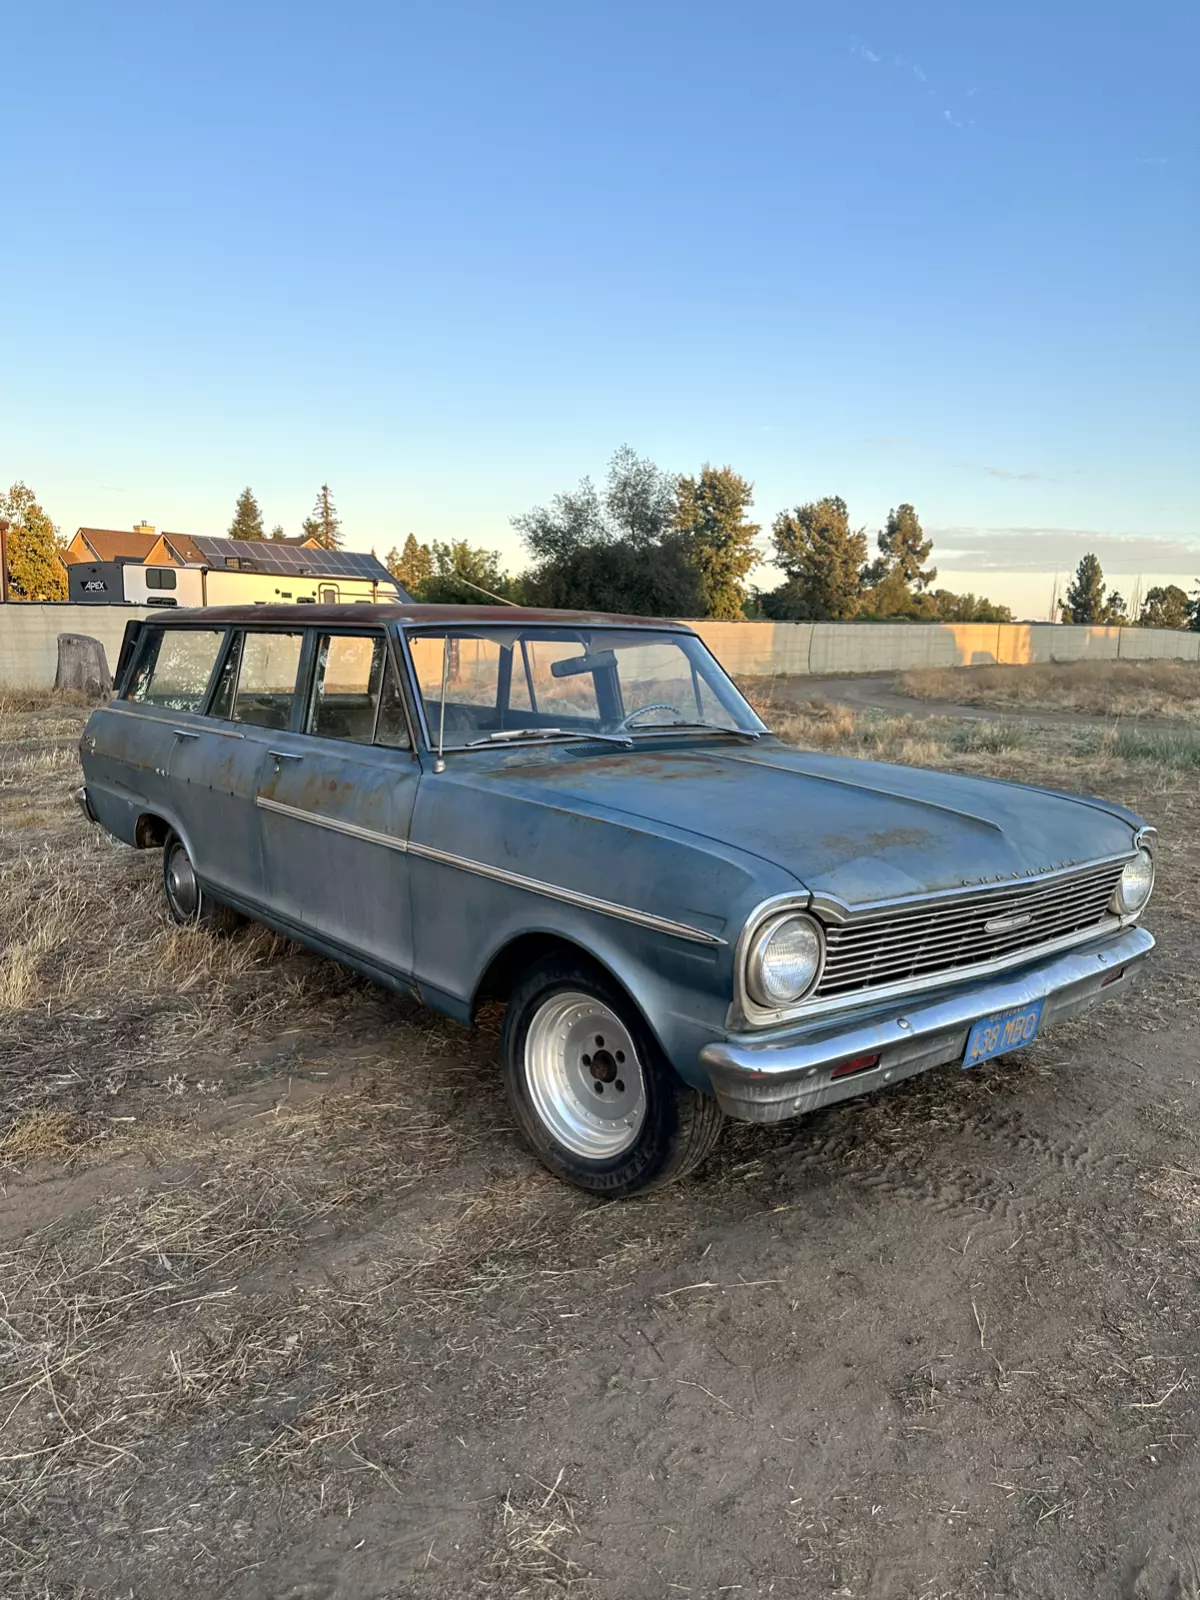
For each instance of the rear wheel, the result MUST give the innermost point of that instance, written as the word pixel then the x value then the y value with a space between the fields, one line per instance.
pixel 187 901
pixel 593 1093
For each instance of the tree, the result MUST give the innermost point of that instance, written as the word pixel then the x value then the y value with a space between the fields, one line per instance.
pixel 710 512
pixel 451 564
pixel 277 531
pixel 411 567
pixel 1085 595
pixel 946 606
pixel 1116 611
pixel 613 550
pixel 35 569
pixel 823 561
pixel 247 518
pixel 1165 608
pixel 324 524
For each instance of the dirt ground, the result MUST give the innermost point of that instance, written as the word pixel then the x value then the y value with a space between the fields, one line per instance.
pixel 287 1314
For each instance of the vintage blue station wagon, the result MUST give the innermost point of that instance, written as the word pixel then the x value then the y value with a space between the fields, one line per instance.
pixel 582 817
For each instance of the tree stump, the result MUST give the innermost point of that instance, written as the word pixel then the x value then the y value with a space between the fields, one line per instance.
pixel 82 666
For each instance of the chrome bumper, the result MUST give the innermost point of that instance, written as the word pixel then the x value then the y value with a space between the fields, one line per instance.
pixel 761 1080
pixel 80 798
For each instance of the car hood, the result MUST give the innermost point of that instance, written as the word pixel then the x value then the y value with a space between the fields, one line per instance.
pixel 859 831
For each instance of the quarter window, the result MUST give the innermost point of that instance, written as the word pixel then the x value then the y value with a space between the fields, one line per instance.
pixel 354 690
pixel 174 666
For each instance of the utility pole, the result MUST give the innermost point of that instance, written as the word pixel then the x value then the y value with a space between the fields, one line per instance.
pixel 4 527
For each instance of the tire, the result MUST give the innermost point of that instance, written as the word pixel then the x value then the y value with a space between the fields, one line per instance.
pixel 188 903
pixel 593 1094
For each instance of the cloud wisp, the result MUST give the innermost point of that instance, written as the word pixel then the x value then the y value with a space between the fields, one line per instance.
pixel 973 549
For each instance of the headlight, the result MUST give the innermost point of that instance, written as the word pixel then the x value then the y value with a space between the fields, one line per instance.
pixel 1137 880
pixel 784 960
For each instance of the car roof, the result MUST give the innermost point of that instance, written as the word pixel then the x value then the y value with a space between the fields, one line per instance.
pixel 360 614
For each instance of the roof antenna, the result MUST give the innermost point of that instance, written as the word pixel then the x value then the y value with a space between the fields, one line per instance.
pixel 439 764
pixel 479 590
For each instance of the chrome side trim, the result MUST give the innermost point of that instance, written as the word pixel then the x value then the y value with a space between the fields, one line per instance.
pixel 334 824
pixel 571 897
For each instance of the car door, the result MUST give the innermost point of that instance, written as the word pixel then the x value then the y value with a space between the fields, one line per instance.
pixel 134 740
pixel 218 759
pixel 335 801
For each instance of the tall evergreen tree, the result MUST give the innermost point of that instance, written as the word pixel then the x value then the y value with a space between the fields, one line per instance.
pixel 247 518
pixel 324 524
pixel 35 569
pixel 411 566
pixel 1085 594
pixel 710 512
pixel 823 560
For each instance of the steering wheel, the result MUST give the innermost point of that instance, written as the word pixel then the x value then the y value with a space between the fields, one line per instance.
pixel 657 705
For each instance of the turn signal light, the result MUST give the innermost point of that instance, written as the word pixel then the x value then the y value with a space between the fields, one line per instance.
pixel 846 1069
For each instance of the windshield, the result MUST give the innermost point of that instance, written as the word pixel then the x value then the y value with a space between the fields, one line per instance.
pixel 543 682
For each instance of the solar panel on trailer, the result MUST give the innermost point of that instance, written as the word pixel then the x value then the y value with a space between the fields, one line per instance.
pixel 294 560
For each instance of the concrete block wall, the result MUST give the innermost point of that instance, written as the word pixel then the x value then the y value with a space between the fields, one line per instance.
pixel 29 643
pixel 29 638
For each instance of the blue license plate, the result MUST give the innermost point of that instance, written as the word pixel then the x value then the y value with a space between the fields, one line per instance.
pixel 1002 1031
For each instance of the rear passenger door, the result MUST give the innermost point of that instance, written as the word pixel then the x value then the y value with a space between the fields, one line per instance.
pixel 218 759
pixel 336 799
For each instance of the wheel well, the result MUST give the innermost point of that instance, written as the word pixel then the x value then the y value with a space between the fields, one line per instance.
pixel 507 965
pixel 150 832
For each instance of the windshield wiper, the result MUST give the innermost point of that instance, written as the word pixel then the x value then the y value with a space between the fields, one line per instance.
pixel 708 727
pixel 507 734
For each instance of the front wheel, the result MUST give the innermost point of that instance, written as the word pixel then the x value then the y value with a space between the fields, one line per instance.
pixel 187 901
pixel 592 1092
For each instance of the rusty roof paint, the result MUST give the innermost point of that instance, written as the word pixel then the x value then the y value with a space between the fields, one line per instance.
pixel 413 614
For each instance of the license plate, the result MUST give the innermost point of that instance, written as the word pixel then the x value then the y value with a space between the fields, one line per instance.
pixel 1002 1031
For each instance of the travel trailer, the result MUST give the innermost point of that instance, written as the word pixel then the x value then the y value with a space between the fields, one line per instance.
pixel 184 570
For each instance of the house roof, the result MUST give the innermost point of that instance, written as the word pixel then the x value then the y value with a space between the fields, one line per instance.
pixel 116 544
pixel 191 548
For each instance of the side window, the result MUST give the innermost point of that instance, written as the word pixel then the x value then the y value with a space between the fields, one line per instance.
pixel 392 727
pixel 174 666
pixel 330 594
pixel 347 686
pixel 160 577
pixel 266 679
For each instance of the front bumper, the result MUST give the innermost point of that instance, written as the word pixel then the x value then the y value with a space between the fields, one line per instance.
pixel 760 1080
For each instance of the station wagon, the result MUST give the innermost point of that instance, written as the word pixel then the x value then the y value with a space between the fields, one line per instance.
pixel 581 816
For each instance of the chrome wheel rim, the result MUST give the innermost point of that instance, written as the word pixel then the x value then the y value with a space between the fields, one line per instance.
pixel 584 1076
pixel 182 889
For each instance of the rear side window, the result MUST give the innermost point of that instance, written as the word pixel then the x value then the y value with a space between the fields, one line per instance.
pixel 160 578
pixel 174 666
pixel 258 681
pixel 346 686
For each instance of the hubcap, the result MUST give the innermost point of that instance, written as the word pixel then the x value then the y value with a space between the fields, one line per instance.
pixel 584 1076
pixel 182 889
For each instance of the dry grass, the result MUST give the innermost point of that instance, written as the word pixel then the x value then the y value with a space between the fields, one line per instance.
pixel 1096 688
pixel 1086 759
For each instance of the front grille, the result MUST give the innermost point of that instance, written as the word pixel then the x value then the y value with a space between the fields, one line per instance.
pixel 927 941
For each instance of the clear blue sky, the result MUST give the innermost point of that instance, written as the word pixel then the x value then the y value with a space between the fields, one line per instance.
pixel 448 256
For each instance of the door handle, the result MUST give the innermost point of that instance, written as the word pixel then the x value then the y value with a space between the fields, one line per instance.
pixel 185 733
pixel 283 755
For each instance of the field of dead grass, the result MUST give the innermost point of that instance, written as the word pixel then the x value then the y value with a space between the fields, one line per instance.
pixel 1126 689
pixel 285 1311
